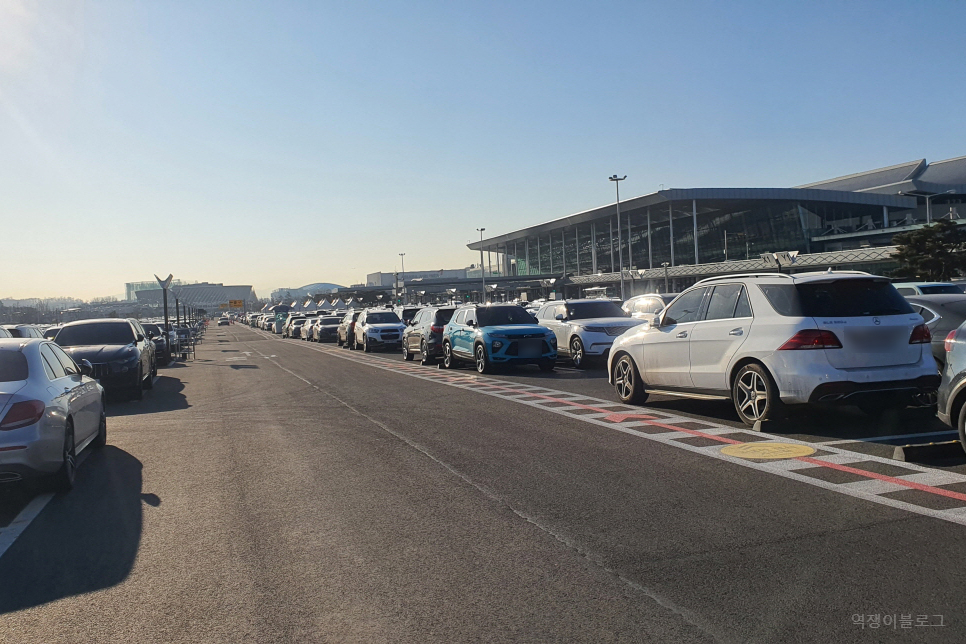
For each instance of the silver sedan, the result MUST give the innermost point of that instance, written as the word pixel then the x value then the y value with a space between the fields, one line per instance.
pixel 50 410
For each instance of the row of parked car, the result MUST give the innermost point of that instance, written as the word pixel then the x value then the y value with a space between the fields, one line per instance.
pixel 53 387
pixel 768 342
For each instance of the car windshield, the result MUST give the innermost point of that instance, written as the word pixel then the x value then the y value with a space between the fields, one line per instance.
pixel 500 315
pixel 95 333
pixel 152 329
pixel 382 318
pixel 602 309
pixel 836 298
pixel 13 366
pixel 941 289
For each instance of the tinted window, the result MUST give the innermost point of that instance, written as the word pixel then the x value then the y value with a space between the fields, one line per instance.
pixel 95 333
pixel 839 298
pixel 152 329
pixel 69 366
pixel 743 308
pixel 905 290
pixel 494 315
pixel 723 301
pixel 52 362
pixel 443 316
pixel 13 366
pixel 15 333
pixel 50 333
pixel 945 289
pixel 460 317
pixel 382 318
pixel 685 308
pixel 602 309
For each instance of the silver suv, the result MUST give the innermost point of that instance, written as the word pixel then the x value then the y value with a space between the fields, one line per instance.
pixel 771 340
pixel 585 329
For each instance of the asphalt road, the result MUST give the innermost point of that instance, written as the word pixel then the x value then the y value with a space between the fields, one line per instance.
pixel 284 491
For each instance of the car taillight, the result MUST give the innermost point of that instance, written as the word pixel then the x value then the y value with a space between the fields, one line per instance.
pixel 436 328
pixel 812 339
pixel 920 335
pixel 950 340
pixel 22 414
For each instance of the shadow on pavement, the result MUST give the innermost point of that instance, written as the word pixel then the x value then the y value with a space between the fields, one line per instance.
pixel 166 396
pixel 83 541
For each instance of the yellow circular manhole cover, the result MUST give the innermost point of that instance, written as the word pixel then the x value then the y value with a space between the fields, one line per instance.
pixel 767 450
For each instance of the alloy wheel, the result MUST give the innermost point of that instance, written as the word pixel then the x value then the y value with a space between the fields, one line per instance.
pixel 577 352
pixel 752 395
pixel 624 378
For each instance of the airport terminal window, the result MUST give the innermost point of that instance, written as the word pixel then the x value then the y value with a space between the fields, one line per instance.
pixel 584 249
pixel 602 243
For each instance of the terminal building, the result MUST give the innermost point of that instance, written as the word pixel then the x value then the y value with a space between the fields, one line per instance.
pixel 671 238
pixel 211 297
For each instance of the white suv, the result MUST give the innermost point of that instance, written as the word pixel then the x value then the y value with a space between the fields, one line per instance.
pixel 378 328
pixel 770 340
pixel 585 329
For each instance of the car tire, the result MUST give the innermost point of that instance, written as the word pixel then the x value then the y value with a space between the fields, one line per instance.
pixel 449 360
pixel 149 381
pixel 628 383
pixel 755 395
pixel 63 479
pixel 547 366
pixel 577 354
pixel 338 341
pixel 365 344
pixel 101 439
pixel 407 354
pixel 137 391
pixel 482 360
pixel 424 354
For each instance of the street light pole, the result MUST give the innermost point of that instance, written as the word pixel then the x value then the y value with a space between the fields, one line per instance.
pixel 405 292
pixel 667 289
pixel 620 246
pixel 482 270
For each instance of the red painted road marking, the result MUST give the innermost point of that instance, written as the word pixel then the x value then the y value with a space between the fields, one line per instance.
pixel 882 477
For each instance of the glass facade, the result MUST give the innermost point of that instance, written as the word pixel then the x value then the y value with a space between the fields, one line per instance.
pixel 727 229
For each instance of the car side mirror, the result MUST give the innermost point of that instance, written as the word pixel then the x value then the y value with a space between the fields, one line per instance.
pixel 86 368
pixel 559 316
pixel 140 337
pixel 656 321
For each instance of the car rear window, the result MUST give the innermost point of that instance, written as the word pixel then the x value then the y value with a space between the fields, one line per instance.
pixel 941 289
pixel 836 299
pixel 95 333
pixel 13 366
pixel 443 316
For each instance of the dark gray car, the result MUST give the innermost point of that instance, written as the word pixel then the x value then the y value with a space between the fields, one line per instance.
pixel 424 335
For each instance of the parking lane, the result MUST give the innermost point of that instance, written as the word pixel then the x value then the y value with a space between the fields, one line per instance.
pixel 648 515
pixel 844 427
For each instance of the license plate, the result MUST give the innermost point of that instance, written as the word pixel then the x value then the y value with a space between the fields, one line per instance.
pixel 530 348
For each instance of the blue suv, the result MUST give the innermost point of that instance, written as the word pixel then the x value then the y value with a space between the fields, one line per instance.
pixel 497 334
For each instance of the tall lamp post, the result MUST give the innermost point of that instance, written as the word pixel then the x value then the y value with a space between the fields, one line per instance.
pixel 482 270
pixel 405 292
pixel 620 245
pixel 666 287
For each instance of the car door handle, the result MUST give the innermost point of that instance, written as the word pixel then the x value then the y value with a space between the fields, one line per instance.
pixel 737 331
pixel 683 334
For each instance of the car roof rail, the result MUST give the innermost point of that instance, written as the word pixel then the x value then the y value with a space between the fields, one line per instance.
pixel 741 276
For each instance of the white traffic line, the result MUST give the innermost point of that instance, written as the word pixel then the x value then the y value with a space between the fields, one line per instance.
pixel 878 439
pixel 919 477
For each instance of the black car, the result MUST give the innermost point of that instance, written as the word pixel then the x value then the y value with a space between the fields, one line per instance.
pixel 122 356
pixel 162 350
pixel 942 314
pixel 424 335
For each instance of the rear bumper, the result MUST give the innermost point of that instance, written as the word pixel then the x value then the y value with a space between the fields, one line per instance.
pixel 848 392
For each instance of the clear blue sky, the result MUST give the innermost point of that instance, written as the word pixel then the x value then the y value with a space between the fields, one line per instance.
pixel 284 143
